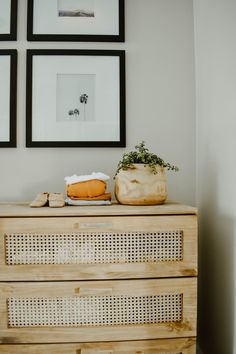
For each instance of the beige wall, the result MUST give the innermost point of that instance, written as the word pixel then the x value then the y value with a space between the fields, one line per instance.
pixel 215 29
pixel 160 104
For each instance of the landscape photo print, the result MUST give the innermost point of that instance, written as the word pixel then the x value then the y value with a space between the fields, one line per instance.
pixel 76 8
pixel 76 20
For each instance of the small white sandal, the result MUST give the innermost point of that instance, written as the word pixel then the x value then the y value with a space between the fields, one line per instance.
pixel 56 200
pixel 40 200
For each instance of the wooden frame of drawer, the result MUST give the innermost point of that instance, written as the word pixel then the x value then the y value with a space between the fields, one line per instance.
pixel 187 266
pixel 161 346
pixel 15 326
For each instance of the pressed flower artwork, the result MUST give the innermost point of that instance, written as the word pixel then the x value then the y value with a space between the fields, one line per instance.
pixel 75 97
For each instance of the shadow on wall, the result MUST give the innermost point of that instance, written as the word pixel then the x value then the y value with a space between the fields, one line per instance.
pixel 216 273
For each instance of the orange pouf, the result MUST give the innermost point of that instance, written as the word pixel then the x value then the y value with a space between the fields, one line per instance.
pixel 87 189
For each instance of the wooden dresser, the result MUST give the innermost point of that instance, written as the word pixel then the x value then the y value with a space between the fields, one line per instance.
pixel 98 280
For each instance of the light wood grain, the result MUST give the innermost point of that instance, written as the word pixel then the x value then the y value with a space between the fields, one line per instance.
pixel 185 346
pixel 23 210
pixel 185 267
pixel 133 339
pixel 185 328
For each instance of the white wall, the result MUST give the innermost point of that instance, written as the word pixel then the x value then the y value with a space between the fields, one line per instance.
pixel 161 111
pixel 160 104
pixel 215 38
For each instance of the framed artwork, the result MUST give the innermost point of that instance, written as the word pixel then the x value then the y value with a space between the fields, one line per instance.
pixel 75 98
pixel 76 20
pixel 8 84
pixel 8 20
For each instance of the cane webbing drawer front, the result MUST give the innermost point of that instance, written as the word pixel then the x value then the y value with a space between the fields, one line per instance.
pixel 94 248
pixel 90 311
pixel 98 248
pixel 94 311
pixel 161 346
pixel 98 280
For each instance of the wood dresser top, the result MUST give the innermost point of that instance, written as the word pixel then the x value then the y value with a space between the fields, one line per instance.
pixel 23 210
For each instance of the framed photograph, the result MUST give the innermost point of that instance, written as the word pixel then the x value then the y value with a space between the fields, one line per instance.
pixel 76 20
pixel 8 84
pixel 8 20
pixel 75 98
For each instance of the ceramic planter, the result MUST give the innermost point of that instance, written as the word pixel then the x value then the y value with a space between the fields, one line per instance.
pixel 140 186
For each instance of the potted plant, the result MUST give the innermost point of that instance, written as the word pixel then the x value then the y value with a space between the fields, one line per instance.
pixel 140 177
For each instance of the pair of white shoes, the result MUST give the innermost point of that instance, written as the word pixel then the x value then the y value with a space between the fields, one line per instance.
pixel 53 200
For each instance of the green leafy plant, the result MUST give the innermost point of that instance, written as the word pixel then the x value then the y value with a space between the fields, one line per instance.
pixel 143 156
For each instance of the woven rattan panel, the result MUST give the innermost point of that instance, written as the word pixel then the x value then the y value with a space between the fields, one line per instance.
pixel 94 248
pixel 94 310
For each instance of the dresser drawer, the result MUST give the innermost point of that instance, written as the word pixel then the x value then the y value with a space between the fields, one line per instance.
pixel 161 346
pixel 97 310
pixel 77 248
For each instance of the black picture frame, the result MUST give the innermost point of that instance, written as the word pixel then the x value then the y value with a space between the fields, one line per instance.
pixel 11 142
pixel 121 100
pixel 12 35
pixel 120 37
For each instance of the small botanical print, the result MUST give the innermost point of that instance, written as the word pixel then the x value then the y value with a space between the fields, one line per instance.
pixel 76 8
pixel 75 97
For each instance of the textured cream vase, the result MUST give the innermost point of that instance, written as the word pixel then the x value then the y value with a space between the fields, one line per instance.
pixel 140 186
